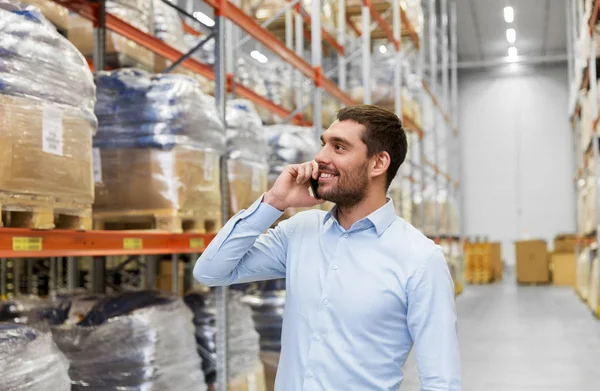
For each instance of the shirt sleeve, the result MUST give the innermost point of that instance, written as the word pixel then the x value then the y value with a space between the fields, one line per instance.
pixel 431 321
pixel 242 252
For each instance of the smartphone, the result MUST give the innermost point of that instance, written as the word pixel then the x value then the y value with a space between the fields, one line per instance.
pixel 314 185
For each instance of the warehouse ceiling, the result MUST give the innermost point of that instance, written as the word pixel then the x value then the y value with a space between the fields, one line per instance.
pixel 540 29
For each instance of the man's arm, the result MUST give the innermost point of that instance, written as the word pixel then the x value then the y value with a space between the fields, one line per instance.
pixel 241 252
pixel 432 324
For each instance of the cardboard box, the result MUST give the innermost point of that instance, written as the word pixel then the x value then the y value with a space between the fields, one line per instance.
pixel 182 178
pixel 247 182
pixel 164 282
pixel 270 361
pixel 55 13
pixel 81 36
pixel 565 243
pixel 532 261
pixel 563 268
pixel 61 167
pixel 496 261
pixel 253 381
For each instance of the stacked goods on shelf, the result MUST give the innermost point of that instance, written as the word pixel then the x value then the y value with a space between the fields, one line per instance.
pixel 267 307
pixel 562 260
pixel 46 124
pixel 583 271
pixel 456 259
pixel 586 202
pixel 532 261
pixel 399 193
pixel 169 29
pixel 160 140
pixel 587 119
pixel 120 51
pixel 30 360
pixel 412 9
pixel 247 155
pixel 135 341
pixel 244 369
pixel 288 144
pixel 483 262
pixel 594 290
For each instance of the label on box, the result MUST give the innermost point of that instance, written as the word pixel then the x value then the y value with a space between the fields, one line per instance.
pixel 255 179
pixel 52 130
pixel 97 162
pixel 133 244
pixel 197 243
pixel 27 244
pixel 209 167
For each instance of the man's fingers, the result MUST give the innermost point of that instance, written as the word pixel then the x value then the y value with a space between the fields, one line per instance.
pixel 301 174
pixel 315 167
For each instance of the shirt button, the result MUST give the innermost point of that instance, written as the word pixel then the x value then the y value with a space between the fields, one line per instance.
pixel 310 374
pixel 335 267
pixel 325 301
pixel 345 235
pixel 318 338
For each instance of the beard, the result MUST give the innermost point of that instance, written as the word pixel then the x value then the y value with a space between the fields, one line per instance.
pixel 349 189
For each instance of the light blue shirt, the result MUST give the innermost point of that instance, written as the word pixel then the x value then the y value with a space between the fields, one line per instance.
pixel 356 300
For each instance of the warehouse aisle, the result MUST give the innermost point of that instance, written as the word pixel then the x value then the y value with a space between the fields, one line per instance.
pixel 516 338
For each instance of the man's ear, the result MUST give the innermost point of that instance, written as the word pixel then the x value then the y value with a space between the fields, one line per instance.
pixel 380 163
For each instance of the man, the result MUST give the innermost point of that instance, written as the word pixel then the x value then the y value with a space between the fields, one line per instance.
pixel 362 285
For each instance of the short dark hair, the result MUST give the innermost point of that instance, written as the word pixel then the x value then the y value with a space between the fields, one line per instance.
pixel 384 132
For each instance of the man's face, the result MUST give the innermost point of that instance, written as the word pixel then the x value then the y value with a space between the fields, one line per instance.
pixel 343 164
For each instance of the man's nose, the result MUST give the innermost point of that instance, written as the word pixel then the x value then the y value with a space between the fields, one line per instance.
pixel 322 157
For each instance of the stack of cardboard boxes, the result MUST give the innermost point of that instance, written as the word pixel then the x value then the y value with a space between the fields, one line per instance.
pixel 535 264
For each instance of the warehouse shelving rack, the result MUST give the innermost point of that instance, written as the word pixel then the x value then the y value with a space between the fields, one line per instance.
pixel 423 172
pixel 582 19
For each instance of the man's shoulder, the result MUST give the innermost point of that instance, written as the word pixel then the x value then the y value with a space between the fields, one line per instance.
pixel 306 218
pixel 410 242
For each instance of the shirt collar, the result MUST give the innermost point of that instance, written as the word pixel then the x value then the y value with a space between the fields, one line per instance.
pixel 382 218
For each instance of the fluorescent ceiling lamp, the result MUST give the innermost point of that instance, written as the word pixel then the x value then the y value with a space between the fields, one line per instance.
pixel 258 56
pixel 511 35
pixel 203 18
pixel 382 49
pixel 512 53
pixel 509 14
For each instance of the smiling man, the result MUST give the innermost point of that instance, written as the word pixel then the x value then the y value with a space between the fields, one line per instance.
pixel 363 286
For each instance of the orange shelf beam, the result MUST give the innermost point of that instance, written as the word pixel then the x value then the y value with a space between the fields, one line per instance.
pixel 28 243
pixel 150 42
pixel 269 40
pixel 412 33
pixel 381 22
pixel 411 126
pixel 324 33
pixel 436 103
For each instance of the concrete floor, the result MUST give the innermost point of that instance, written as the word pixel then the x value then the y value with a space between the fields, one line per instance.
pixel 517 338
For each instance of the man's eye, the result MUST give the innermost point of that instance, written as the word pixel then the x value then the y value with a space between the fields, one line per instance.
pixel 339 147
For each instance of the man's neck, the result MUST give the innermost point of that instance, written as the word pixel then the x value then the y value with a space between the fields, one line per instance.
pixel 347 216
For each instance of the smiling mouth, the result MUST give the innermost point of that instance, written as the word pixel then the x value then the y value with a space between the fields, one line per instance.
pixel 326 176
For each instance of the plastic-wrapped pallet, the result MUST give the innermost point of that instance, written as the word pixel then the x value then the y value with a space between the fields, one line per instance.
pixel 267 307
pixel 247 151
pixel 162 134
pixel 119 49
pixel 167 28
pixel 135 341
pixel 289 144
pixel 30 361
pixel 583 271
pixel 47 121
pixel 243 349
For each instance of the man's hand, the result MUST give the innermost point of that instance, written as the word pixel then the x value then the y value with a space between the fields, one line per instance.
pixel 291 187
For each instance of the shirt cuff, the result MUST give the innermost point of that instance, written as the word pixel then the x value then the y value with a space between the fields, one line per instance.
pixel 261 215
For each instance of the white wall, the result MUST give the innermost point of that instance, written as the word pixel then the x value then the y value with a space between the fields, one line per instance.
pixel 517 154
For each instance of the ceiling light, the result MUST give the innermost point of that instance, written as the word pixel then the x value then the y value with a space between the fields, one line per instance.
pixel 203 18
pixel 382 49
pixel 511 35
pixel 509 14
pixel 258 56
pixel 512 53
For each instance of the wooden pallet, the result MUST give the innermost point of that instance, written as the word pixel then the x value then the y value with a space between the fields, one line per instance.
pixel 168 220
pixel 43 212
pixel 539 283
